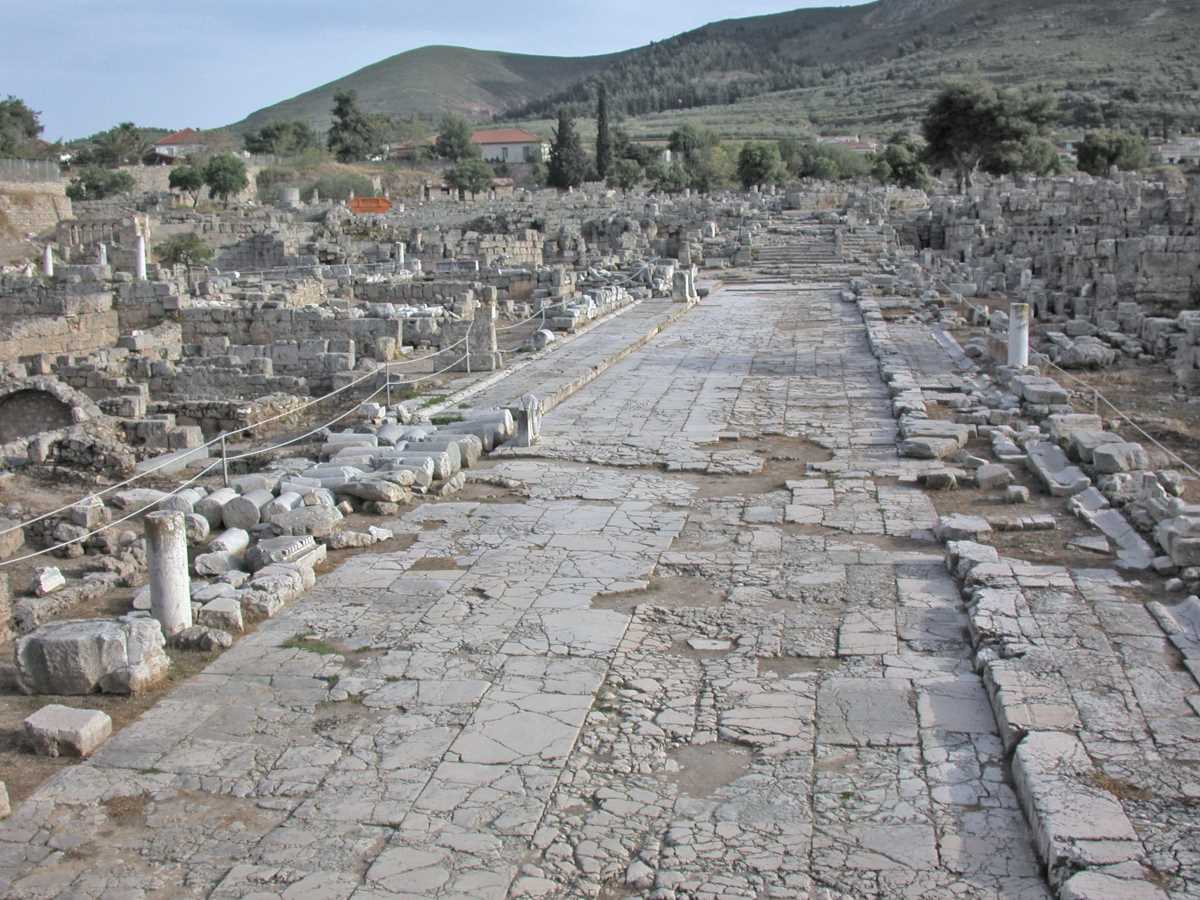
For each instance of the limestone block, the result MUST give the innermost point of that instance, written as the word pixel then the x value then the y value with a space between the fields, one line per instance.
pixel 1110 459
pixel 1054 470
pixel 116 656
pixel 278 550
pixel 47 580
pixel 319 521
pixel 993 476
pixel 375 489
pixel 224 613
pixel 56 730
pixel 5 806
pixel 958 527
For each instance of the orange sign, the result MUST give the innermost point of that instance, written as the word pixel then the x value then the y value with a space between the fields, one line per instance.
pixel 368 205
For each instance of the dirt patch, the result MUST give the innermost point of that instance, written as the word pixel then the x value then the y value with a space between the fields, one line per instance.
pixel 126 811
pixel 435 564
pixel 24 772
pixel 784 459
pixel 482 492
pixel 706 769
pixel 669 591
pixel 786 666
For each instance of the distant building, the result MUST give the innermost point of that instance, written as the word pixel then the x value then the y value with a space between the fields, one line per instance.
pixel 1184 151
pixel 512 145
pixel 851 142
pixel 180 144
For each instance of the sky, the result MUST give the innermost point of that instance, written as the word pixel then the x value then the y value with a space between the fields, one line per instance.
pixel 88 64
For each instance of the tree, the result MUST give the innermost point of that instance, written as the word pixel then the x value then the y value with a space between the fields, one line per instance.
pixel 470 176
pixel 668 179
pixel 901 162
pixel 687 141
pixel 970 126
pixel 568 161
pixel 122 145
pixel 625 174
pixel 187 179
pixel 184 249
pixel 20 127
pixel 352 136
pixel 759 164
pixel 712 168
pixel 1101 150
pixel 604 150
pixel 225 176
pixel 454 139
pixel 281 139
pixel 97 183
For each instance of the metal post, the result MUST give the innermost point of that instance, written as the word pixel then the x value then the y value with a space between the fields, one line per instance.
pixel 224 462
pixel 469 327
pixel 387 374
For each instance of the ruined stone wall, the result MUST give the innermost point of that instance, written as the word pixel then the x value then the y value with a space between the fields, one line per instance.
pixel 1080 245
pixel 55 317
pixel 32 207
pixel 378 338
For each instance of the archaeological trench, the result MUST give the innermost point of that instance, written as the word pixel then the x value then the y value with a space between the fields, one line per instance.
pixel 806 543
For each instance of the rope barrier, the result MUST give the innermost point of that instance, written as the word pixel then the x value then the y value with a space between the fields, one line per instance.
pixel 121 521
pixel 1097 396
pixel 222 438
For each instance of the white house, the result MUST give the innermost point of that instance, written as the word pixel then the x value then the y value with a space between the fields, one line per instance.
pixel 511 145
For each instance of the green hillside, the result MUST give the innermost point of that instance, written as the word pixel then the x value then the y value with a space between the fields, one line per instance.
pixel 867 68
pixel 431 81
pixel 875 66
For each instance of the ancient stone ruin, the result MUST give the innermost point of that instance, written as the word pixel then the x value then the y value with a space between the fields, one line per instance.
pixel 807 542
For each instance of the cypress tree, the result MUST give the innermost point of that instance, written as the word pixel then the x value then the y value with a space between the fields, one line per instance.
pixel 603 138
pixel 568 162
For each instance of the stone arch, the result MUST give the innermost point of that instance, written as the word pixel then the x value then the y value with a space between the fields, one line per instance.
pixel 29 411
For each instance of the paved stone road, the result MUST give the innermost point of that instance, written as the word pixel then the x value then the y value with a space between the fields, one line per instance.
pixel 689 656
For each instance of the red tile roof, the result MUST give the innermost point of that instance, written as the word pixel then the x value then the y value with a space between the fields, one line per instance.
pixel 505 136
pixel 187 136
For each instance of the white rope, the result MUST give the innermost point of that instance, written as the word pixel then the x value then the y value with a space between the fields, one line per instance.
pixel 279 446
pixel 541 312
pixel 1122 415
pixel 291 412
pixel 218 439
pixel 122 520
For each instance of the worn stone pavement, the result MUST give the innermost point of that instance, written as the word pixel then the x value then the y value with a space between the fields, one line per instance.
pixel 665 666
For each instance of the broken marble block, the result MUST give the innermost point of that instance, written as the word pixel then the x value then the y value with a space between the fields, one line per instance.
pixel 12 537
pixel 83 656
pixel 288 548
pixel 1054 470
pixel 958 527
pixel 1180 537
pixel 47 580
pixel 5 806
pixel 224 613
pixel 993 476
pixel 1109 459
pixel 56 730
pixel 319 521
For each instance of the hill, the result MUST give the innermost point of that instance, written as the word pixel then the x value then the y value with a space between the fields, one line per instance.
pixel 431 81
pixel 868 68
pixel 874 67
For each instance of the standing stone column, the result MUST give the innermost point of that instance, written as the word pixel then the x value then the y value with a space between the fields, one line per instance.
pixel 399 253
pixel 170 588
pixel 102 258
pixel 1018 335
pixel 141 257
pixel 48 261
